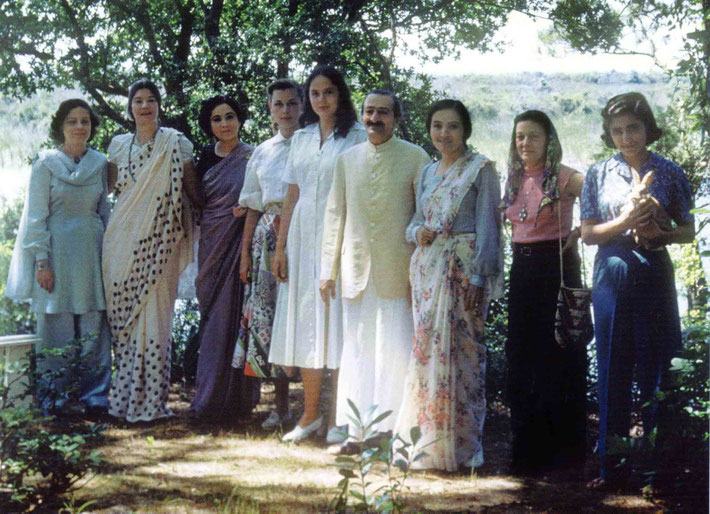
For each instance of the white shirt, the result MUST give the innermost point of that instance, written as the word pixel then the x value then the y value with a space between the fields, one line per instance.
pixel 263 183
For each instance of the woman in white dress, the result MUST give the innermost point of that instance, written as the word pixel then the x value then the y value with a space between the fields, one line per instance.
pixel 306 334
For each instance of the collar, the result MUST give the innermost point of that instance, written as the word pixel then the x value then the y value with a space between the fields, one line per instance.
pixel 653 162
pixel 384 147
pixel 279 138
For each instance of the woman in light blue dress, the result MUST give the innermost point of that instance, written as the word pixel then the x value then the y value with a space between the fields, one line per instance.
pixel 57 260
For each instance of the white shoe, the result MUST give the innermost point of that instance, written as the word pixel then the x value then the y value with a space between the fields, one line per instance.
pixel 300 433
pixel 337 435
pixel 275 421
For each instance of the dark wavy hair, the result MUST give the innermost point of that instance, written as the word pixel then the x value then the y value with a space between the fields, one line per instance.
pixel 345 115
pixel 56 127
pixel 137 86
pixel 538 117
pixel 460 109
pixel 396 104
pixel 209 105
pixel 282 85
pixel 630 103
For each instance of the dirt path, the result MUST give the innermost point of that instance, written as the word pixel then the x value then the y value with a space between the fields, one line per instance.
pixel 179 466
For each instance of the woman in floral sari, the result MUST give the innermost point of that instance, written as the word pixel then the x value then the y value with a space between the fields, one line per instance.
pixel 455 270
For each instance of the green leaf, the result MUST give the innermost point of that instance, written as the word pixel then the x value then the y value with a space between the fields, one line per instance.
pixel 415 433
pixel 419 456
pixel 381 417
pixel 355 410
pixel 347 473
pixel 357 495
pixel 401 464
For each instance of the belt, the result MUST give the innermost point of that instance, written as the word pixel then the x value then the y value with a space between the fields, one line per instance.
pixel 452 234
pixel 538 248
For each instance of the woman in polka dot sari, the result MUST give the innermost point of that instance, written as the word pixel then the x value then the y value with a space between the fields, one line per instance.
pixel 148 242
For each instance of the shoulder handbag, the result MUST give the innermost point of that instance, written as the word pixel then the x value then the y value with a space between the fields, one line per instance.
pixel 573 320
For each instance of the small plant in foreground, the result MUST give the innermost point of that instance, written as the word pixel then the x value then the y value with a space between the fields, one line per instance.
pixel 236 503
pixel 373 479
pixel 39 457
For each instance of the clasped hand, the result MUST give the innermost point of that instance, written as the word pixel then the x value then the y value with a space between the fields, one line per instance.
pixel 640 216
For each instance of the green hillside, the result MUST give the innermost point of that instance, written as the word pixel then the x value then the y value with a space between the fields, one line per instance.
pixel 572 100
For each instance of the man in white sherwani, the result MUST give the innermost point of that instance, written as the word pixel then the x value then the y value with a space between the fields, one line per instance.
pixel 371 201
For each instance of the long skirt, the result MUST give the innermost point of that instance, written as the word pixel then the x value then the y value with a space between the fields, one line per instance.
pixel 445 388
pixel 546 384
pixel 637 328
pixel 376 348
pixel 93 375
pixel 254 341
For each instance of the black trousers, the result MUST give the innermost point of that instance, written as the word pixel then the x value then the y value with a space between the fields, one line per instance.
pixel 546 385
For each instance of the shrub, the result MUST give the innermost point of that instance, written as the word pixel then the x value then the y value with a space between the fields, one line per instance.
pixel 41 457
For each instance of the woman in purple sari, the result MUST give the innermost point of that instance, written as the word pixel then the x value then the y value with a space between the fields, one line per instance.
pixel 222 392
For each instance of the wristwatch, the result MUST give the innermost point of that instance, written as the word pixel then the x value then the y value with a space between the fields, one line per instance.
pixel 43 264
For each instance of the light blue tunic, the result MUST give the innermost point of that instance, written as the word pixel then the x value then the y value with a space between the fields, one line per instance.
pixel 66 215
pixel 63 221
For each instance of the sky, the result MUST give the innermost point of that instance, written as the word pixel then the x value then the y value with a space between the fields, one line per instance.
pixel 525 52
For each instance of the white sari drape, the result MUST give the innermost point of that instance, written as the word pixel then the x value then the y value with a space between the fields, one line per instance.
pixel 148 242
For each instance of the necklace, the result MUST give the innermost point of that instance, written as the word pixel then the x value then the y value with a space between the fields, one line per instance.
pixel 218 149
pixel 149 144
pixel 524 211
pixel 75 158
pixel 528 183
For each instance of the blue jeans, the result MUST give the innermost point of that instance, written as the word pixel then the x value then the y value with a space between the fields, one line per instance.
pixel 636 325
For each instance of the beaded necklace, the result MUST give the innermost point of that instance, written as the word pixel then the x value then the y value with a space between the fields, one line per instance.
pixel 130 152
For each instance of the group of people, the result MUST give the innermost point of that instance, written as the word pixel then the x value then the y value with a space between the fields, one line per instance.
pixel 338 249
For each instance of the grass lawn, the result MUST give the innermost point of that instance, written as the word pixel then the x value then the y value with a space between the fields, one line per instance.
pixel 178 465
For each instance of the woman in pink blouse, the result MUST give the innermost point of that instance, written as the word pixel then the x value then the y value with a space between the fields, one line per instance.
pixel 546 383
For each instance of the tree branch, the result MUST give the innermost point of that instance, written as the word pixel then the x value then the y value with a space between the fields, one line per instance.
pixel 213 16
pixel 83 73
pixel 142 18
pixel 23 49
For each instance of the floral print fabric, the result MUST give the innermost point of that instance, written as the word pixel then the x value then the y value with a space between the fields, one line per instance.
pixel 445 387
pixel 252 350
